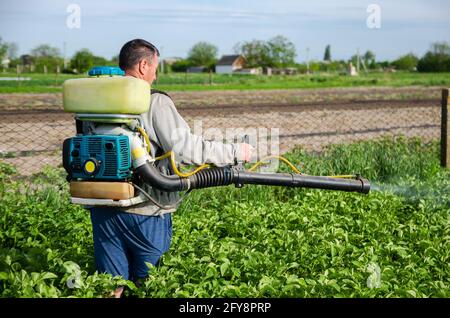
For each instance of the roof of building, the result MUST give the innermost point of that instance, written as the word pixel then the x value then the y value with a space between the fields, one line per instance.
pixel 228 59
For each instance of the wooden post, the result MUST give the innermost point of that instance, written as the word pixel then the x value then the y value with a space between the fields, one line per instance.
pixel 56 74
pixel 18 70
pixel 445 131
pixel 210 77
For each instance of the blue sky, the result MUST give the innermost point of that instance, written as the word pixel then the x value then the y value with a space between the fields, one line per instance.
pixel 175 25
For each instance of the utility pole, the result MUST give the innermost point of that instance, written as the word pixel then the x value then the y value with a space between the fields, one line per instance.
pixel 445 130
pixel 64 53
pixel 162 60
pixel 357 60
pixel 307 60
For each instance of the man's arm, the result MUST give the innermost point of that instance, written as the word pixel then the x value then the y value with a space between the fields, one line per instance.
pixel 174 134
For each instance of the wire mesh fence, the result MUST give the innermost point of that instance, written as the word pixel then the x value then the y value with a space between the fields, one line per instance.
pixel 31 137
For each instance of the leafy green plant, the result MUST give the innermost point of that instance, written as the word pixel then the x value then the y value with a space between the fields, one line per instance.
pixel 255 241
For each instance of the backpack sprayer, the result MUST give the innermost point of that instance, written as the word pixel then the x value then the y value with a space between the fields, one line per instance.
pixel 111 164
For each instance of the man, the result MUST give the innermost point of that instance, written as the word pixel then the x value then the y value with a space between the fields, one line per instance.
pixel 126 239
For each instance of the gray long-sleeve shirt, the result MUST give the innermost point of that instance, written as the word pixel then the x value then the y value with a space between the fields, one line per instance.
pixel 167 131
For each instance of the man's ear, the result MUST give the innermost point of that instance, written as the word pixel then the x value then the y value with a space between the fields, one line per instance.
pixel 143 65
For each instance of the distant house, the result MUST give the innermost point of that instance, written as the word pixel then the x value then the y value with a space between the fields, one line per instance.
pixel 229 64
pixel 285 71
pixel 253 71
pixel 172 60
pixel 5 63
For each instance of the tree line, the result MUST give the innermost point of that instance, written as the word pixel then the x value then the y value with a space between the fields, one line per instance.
pixel 277 52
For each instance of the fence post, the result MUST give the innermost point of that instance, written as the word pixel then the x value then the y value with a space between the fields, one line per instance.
pixel 445 129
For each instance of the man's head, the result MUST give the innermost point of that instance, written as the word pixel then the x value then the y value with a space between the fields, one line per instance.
pixel 139 58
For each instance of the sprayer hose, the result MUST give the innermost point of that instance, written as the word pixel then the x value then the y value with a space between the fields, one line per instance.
pixel 206 178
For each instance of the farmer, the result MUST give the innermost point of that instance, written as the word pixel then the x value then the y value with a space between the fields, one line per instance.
pixel 126 239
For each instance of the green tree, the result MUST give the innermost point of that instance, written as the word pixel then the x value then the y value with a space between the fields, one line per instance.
pixel 406 62
pixel 101 61
pixel 440 48
pixel 45 50
pixel 203 53
pixel 281 51
pixel 82 61
pixel 369 59
pixel 3 49
pixel 12 50
pixel 181 66
pixel 436 60
pixel 327 55
pixel 7 50
pixel 115 59
pixel 277 52
pixel 27 59
pixel 46 56
pixel 256 53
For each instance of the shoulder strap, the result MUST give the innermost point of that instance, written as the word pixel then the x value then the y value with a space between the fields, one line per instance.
pixel 159 151
pixel 157 91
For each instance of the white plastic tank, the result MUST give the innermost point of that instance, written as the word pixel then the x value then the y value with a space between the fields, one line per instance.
pixel 106 95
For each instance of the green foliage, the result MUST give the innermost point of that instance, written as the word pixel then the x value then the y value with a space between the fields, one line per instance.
pixel 369 59
pixel 327 55
pixel 41 83
pixel 436 60
pixel 203 54
pixel 281 51
pixel 181 66
pixel 332 67
pixel 82 61
pixel 45 50
pixel 276 52
pixel 255 241
pixel 382 160
pixel 406 62
pixel 12 50
pixel 256 53
pixel 51 62
pixel 43 56
pixel 3 49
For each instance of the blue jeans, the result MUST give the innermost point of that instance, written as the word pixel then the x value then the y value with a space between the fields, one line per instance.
pixel 124 242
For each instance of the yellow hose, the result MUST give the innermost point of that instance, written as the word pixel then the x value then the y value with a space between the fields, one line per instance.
pixel 345 176
pixel 171 154
pixel 147 140
pixel 256 165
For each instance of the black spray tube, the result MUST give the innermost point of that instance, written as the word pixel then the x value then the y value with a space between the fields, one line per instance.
pixel 215 177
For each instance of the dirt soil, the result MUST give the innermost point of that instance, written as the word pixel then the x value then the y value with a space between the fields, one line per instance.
pixel 33 126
